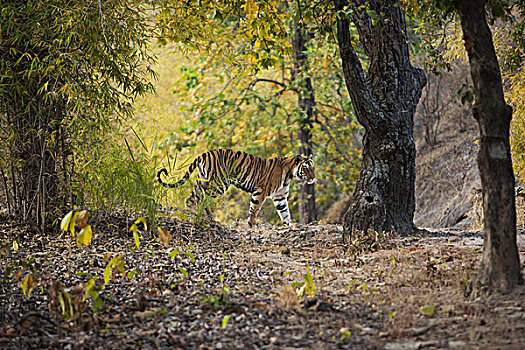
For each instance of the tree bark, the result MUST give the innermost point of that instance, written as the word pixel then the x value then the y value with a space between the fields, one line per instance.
pixel 500 265
pixel 306 101
pixel 384 100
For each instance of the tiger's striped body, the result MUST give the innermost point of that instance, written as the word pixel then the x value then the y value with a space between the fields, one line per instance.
pixel 263 178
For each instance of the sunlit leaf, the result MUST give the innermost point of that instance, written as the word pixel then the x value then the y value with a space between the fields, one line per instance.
pixel 64 224
pixel 72 223
pixel 390 315
pixel 27 284
pixel 143 221
pixel 88 288
pixel 225 320
pixel 184 271
pixel 136 237
pixel 190 255
pixel 110 267
pixel 309 285
pixel 428 310
pixel 174 253
pixel 84 237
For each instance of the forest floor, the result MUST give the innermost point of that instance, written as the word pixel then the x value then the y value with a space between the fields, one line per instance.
pixel 268 288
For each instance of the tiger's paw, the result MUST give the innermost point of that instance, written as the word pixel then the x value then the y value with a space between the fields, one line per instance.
pixel 254 225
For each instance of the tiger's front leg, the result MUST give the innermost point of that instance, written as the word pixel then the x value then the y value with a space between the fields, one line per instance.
pixel 256 203
pixel 280 200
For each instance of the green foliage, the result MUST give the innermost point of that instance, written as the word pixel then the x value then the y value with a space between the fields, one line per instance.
pixel 134 228
pixel 238 87
pixel 78 219
pixel 114 266
pixel 308 287
pixel 114 178
pixel 207 107
pixel 225 320
pixel 69 70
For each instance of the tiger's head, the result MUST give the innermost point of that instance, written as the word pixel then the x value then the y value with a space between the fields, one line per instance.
pixel 304 169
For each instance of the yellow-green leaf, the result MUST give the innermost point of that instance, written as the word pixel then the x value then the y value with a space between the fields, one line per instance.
pixel 136 236
pixel 72 223
pixel 84 237
pixel 109 268
pixel 65 303
pixel 15 246
pixel 184 271
pixel 88 234
pixel 428 310
pixel 225 320
pixel 80 239
pixel 27 285
pixel 143 220
pixel 88 288
pixel 64 225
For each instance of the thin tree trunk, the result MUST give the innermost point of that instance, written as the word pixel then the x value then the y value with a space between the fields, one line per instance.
pixel 384 102
pixel 306 101
pixel 500 265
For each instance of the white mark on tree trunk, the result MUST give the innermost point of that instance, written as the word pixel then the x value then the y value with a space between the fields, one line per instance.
pixel 497 150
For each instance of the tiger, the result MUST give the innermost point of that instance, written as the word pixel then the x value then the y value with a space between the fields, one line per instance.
pixel 263 178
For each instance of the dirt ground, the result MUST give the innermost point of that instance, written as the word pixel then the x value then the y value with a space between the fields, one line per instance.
pixel 267 288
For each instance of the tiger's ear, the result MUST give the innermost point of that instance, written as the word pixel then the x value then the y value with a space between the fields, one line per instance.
pixel 310 157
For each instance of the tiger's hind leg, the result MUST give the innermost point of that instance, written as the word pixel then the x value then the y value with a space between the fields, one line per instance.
pixel 256 203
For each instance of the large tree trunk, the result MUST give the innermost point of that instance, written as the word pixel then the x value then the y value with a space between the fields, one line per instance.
pixel 385 102
pixel 500 265
pixel 306 101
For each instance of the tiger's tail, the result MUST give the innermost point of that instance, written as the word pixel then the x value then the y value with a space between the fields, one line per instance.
pixel 181 181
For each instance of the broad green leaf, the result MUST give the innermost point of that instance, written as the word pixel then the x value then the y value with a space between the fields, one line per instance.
pixel 390 315
pixel 174 253
pixel 225 320
pixel 428 310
